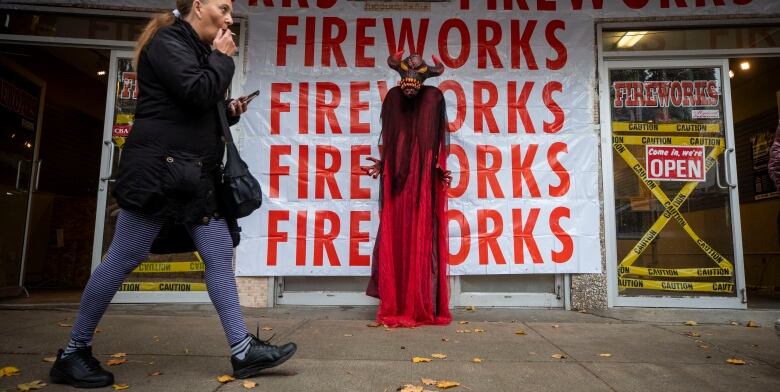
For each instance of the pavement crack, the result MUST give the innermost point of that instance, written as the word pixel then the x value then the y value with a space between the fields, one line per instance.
pixel 569 356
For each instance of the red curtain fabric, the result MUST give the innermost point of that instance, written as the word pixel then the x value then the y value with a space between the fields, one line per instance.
pixel 409 271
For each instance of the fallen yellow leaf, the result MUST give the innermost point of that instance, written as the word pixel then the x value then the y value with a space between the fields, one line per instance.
pixel 605 355
pixel 119 355
pixel 249 384
pixel 463 322
pixel 428 381
pixel 114 362
pixel 693 334
pixel 99 330
pixel 49 359
pixel 439 356
pixel 520 332
pixel 225 378
pixel 691 323
pixel 420 359
pixel 9 371
pixel 410 388
pixel 752 324
pixel 477 360
pixel 447 384
pixel 373 325
pixel 466 331
pixel 479 330
pixel 119 387
pixel 267 329
pixel 32 385
pixel 471 308
pixel 558 356
pixel 735 361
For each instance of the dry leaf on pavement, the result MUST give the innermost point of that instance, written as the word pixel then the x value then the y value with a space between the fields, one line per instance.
pixel 558 356
pixel 99 330
pixel 49 359
pixel 267 329
pixel 249 384
pixel 225 378
pixel 420 359
pixel 691 323
pixel 114 362
pixel 605 355
pixel 32 385
pixel 373 325
pixel 410 388
pixel 693 334
pixel 9 371
pixel 520 332
pixel 445 340
pixel 444 384
pixel 119 355
pixel 119 387
pixel 479 330
pixel 477 360
pixel 349 335
pixel 735 361
pixel 428 381
pixel 65 324
pixel 439 356
pixel 752 324
pixel 471 308
pixel 463 322
pixel 556 326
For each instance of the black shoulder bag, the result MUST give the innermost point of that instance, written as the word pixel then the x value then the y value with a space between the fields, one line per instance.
pixel 239 191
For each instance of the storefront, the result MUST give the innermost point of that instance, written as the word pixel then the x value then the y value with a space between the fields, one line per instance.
pixel 605 153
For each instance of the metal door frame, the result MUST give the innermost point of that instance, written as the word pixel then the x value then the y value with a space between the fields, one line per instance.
pixel 614 299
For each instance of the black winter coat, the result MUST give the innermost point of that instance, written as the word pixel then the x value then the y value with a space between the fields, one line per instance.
pixel 170 163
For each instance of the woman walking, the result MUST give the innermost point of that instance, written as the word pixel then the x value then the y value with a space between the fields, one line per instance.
pixel 168 174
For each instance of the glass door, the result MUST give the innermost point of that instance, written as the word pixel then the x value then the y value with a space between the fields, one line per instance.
pixel 21 104
pixel 160 278
pixel 670 174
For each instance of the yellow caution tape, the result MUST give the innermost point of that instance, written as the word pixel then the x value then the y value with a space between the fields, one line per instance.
pixel 625 126
pixel 643 284
pixel 674 272
pixel 170 266
pixel 670 141
pixel 162 286
pixel 671 210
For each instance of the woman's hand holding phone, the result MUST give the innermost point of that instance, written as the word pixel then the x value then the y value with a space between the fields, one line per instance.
pixel 239 105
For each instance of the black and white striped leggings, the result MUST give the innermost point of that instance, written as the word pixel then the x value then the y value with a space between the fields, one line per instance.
pixel 131 243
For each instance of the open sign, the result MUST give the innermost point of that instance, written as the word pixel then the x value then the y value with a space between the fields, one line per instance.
pixel 675 163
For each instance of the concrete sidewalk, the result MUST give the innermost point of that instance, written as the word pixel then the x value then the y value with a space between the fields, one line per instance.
pixel 649 349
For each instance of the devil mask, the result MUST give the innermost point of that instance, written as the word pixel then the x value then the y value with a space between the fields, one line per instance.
pixel 413 71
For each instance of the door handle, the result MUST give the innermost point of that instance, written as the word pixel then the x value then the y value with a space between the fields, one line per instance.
pixel 18 174
pixel 38 174
pixel 110 167
pixel 717 175
pixel 726 160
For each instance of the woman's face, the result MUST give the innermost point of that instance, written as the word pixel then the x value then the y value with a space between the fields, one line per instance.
pixel 212 15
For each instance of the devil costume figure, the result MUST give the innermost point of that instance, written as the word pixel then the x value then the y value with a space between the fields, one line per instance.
pixel 409 270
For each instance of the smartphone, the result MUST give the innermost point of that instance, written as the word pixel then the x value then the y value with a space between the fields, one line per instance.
pixel 251 96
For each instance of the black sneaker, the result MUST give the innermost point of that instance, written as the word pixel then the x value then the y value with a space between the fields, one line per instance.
pixel 261 355
pixel 80 369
